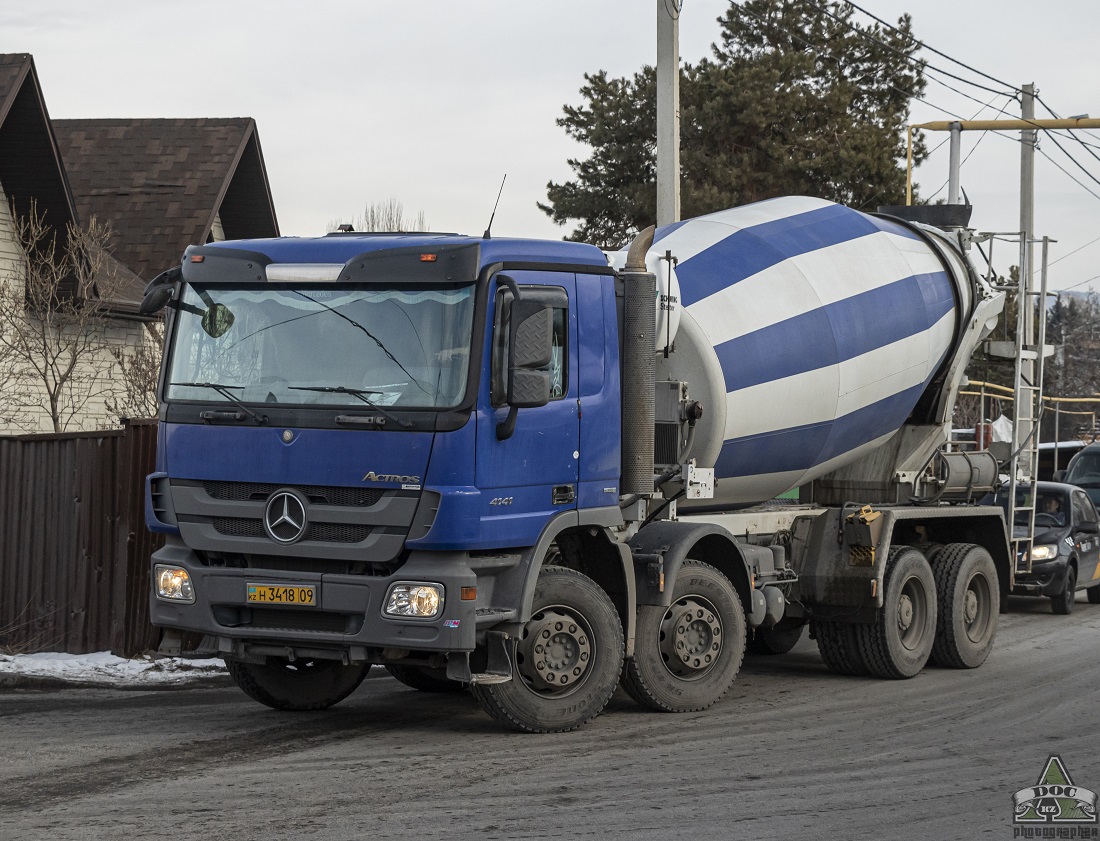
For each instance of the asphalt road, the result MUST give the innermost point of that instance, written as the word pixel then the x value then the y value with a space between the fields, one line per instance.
pixel 792 752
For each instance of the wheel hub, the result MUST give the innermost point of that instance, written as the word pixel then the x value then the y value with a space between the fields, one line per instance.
pixel 691 637
pixel 970 609
pixel 556 651
pixel 905 612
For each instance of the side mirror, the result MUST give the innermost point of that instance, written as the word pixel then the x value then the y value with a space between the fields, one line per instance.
pixel 530 348
pixel 159 291
pixel 1089 528
pixel 1059 475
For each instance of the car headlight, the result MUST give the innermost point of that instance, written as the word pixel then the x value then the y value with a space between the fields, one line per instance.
pixel 173 583
pixel 414 598
pixel 1043 553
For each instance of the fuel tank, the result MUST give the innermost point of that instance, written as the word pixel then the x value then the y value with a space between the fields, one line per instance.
pixel 808 330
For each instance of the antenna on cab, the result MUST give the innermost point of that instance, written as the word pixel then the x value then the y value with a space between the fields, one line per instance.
pixel 494 216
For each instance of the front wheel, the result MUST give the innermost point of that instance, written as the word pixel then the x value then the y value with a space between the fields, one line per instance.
pixel 1062 604
pixel 687 655
pixel 297 685
pixel 567 661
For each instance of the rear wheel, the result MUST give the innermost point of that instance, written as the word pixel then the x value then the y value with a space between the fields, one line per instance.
pixel 898 643
pixel 297 685
pixel 838 643
pixel 778 639
pixel 425 679
pixel 567 661
pixel 686 655
pixel 968 601
pixel 1062 604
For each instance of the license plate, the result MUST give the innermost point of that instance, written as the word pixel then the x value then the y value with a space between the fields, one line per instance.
pixel 281 594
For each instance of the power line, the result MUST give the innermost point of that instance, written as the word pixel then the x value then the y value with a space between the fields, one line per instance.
pixel 1076 162
pixel 860 31
pixel 925 46
pixel 1070 254
pixel 1068 173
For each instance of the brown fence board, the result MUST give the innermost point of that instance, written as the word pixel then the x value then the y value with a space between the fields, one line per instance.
pixel 74 551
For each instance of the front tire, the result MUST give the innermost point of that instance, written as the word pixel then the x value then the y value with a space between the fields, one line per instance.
pixel 899 642
pixel 969 601
pixel 687 655
pixel 567 661
pixel 297 685
pixel 1062 604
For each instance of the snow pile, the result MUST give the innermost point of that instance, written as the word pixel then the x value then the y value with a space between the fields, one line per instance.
pixel 105 669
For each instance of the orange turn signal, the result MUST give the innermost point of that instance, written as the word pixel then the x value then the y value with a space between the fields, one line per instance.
pixel 468 594
pixel 428 258
pixel 197 258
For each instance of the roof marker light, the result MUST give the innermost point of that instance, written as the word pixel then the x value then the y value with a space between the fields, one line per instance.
pixel 197 258
pixel 428 258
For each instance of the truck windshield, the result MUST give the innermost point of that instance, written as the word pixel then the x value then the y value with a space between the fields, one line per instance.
pixel 323 345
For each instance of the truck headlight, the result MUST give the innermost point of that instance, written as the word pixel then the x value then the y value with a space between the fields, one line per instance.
pixel 414 598
pixel 1043 553
pixel 173 583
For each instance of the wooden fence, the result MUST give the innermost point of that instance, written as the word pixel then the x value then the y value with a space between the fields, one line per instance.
pixel 74 551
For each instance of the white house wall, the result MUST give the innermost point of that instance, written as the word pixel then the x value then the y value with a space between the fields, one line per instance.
pixel 121 334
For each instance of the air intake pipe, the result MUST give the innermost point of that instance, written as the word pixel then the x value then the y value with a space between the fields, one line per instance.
pixel 639 366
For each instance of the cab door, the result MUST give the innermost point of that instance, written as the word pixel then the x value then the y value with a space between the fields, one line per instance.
pixel 527 477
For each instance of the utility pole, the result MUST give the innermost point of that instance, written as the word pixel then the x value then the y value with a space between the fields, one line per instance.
pixel 1027 205
pixel 668 111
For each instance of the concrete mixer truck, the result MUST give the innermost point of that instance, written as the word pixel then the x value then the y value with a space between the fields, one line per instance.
pixel 538 470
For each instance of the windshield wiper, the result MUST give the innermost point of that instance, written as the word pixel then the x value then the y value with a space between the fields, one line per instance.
pixel 224 391
pixel 360 393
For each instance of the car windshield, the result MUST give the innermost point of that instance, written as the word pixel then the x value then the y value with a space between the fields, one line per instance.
pixel 323 345
pixel 1050 509
pixel 1085 471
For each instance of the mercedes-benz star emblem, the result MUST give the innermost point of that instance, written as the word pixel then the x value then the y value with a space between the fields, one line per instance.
pixel 285 517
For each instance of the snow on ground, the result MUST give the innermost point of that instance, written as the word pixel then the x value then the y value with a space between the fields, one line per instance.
pixel 105 669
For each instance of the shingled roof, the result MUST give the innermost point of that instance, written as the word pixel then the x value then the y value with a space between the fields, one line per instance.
pixel 162 183
pixel 30 164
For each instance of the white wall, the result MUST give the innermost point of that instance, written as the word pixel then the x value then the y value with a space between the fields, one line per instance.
pixel 120 334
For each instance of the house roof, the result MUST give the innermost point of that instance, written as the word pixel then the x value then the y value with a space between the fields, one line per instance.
pixel 30 164
pixel 161 183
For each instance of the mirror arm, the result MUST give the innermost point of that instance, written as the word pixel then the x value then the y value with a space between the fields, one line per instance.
pixel 506 427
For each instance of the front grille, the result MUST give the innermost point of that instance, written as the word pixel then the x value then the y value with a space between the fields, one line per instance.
pixel 320 532
pixel 317 494
pixel 239 527
pixel 271 618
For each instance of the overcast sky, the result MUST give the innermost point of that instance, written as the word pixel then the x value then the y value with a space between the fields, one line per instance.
pixel 433 101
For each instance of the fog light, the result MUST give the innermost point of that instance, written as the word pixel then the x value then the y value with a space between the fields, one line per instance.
pixel 414 599
pixel 173 583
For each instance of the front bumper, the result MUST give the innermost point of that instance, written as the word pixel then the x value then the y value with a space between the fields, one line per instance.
pixel 347 619
pixel 1045 579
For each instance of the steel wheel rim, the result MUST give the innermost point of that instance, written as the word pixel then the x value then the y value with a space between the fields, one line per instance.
pixel 977 608
pixel 691 638
pixel 555 653
pixel 912 613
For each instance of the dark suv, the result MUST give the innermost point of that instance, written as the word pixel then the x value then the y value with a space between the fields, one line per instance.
pixel 1083 470
pixel 1065 555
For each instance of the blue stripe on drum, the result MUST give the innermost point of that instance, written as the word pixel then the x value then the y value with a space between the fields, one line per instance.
pixel 837 332
pixel 748 251
pixel 803 447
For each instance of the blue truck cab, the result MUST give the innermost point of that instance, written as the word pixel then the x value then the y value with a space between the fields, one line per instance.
pixel 343 475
